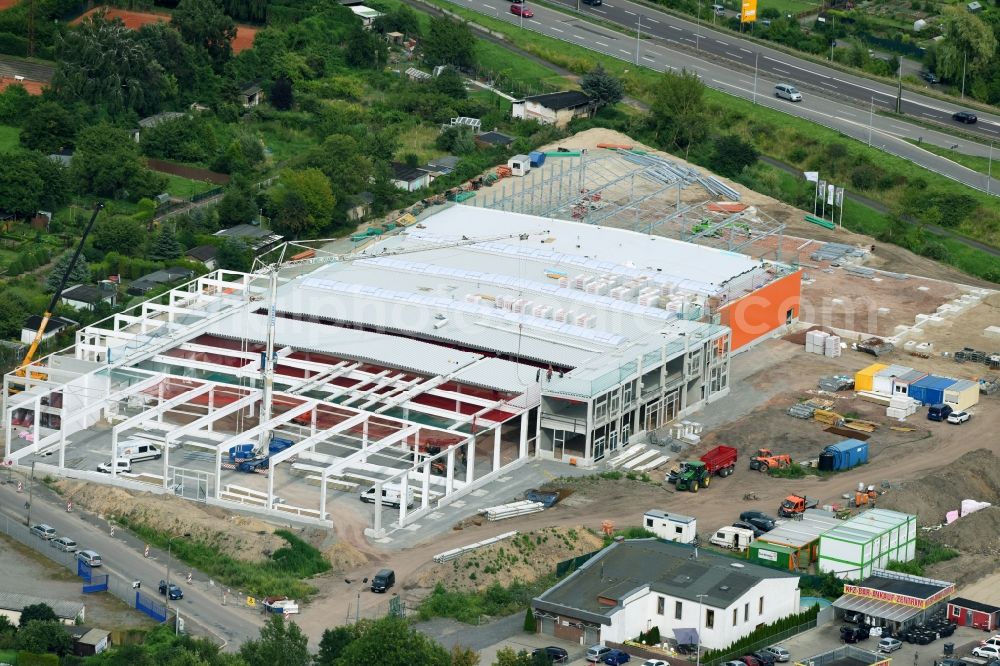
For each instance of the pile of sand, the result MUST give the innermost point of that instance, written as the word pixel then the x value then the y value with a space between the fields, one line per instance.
pixel 525 558
pixel 975 534
pixel 344 557
pixel 240 537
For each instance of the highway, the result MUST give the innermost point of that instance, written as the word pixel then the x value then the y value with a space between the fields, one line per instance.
pixel 124 560
pixel 681 49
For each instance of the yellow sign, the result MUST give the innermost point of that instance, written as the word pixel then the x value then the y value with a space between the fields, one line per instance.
pixel 251 602
pixel 749 12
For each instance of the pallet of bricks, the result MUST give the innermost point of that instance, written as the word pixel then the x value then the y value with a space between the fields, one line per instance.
pixel 822 343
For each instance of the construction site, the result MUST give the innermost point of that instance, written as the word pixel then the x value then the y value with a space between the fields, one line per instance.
pixel 611 309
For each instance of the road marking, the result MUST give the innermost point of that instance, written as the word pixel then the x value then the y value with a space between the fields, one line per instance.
pixel 534 21
pixel 746 83
pixel 557 29
pixel 722 42
pixel 625 52
pixel 783 71
pixel 829 85
pixel 600 11
pixel 648 57
pixel 652 20
pixel 582 39
pixel 745 50
pixel 857 85
pixel 734 55
pixel 845 113
pixel 601 43
pixel 901 129
pixel 688 39
pixel 673 27
pixel 628 12
pixel 607 5
pixel 490 7
pixel 928 115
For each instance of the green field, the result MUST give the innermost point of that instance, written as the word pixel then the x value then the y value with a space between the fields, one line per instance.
pixel 185 188
pixel 981 164
pixel 9 138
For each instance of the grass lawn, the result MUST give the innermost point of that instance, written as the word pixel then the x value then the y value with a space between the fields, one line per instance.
pixel 8 656
pixel 185 188
pixel 786 6
pixel 9 138
pixel 980 164
pixel 522 76
pixel 285 142
pixel 419 140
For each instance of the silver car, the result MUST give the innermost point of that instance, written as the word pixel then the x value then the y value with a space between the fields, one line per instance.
pixel 779 653
pixel 889 645
pixel 786 91
pixel 65 544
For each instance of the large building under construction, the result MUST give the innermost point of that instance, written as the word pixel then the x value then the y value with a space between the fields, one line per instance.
pixel 435 360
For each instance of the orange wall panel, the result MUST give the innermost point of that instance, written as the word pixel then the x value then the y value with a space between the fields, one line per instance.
pixel 762 311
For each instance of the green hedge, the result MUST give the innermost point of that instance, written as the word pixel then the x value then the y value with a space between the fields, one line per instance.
pixel 762 634
pixel 32 659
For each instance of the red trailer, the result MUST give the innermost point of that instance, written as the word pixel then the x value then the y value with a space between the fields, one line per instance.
pixel 721 460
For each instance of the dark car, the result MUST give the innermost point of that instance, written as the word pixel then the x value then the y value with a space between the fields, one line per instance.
pixel 616 657
pixel 764 657
pixel 967 117
pixel 592 3
pixel 521 10
pixel 556 655
pixel 749 526
pixel 930 77
pixel 759 519
pixel 849 634
pixel 175 592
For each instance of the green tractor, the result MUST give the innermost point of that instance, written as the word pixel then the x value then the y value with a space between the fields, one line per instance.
pixel 693 475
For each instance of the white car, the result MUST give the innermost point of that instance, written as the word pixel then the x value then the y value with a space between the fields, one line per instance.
pixel 987 651
pixel 655 662
pixel 992 640
pixel 121 464
pixel 959 418
pixel 786 91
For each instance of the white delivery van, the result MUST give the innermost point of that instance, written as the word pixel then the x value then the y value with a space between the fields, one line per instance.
pixel 136 449
pixel 392 495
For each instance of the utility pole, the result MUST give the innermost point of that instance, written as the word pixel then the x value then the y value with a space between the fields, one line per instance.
pixel 638 34
pixel 756 56
pixel 965 60
pixel 899 93
pixel 989 170
pixel 31 486
pixel 170 542
pixel 697 35
pixel 871 121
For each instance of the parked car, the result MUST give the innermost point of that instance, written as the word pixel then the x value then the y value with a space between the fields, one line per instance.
pixel 521 10
pixel 383 580
pixel 750 660
pixel 43 531
pixel 986 651
pixel 889 645
pixel 592 3
pixel 759 519
pixel 64 543
pixel 91 557
pixel 992 640
pixel 616 657
pixel 122 465
pixel 175 591
pixel 786 91
pixel 655 662
pixel 556 655
pixel 779 653
pixel 733 663
pixel 764 657
pixel 967 117
pixel 596 653
pixel 958 418
pixel 856 618
pixel 930 77
pixel 757 532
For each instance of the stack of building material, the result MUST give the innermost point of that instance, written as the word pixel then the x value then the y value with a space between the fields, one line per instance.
pixel 815 342
pixel 801 411
pixel 449 555
pixel 512 510
pixel 831 346
pixel 835 383
pixel 901 407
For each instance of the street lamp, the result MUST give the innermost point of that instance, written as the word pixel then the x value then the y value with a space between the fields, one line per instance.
pixel 638 36
pixel 989 170
pixel 965 60
pixel 697 35
pixel 871 121
pixel 755 57
pixel 31 488
pixel 170 543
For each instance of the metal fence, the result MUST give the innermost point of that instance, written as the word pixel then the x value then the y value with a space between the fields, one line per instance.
pixel 761 644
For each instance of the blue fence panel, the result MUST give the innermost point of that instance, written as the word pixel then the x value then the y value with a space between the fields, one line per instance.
pixel 84 570
pixel 96 584
pixel 151 606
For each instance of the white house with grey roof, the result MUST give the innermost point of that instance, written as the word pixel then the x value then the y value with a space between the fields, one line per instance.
pixel 633 585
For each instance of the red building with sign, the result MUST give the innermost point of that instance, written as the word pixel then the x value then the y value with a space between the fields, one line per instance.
pixel 894 600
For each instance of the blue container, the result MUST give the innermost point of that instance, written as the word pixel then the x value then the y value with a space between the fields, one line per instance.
pixel 848 454
pixel 930 390
pixel 536 158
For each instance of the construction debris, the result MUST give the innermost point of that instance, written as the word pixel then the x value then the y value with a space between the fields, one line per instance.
pixel 512 510
pixel 457 552
pixel 836 383
pixel 989 385
pixel 875 346
pixel 974 356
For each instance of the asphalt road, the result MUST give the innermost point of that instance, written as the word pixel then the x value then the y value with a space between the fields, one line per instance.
pixel 780 65
pixel 886 133
pixel 123 559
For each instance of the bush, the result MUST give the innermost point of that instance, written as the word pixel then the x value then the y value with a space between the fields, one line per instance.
pixel 30 659
pixel 864 177
pixel 530 624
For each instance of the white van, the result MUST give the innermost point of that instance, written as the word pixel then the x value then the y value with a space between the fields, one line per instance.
pixel 391 495
pixel 137 450
pixel 719 10
pixel 786 91
pixel 121 465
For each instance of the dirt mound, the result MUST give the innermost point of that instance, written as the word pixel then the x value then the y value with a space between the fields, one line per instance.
pixel 238 536
pixel 976 534
pixel 976 475
pixel 993 300
pixel 525 558
pixel 344 557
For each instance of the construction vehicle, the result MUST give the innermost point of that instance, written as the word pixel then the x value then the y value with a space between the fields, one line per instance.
pixel 22 370
pixel 794 505
pixel 764 460
pixel 721 460
pixel 691 475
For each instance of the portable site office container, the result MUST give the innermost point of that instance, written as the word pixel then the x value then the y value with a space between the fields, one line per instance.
pixel 671 526
pixel 930 390
pixel 901 385
pixel 802 536
pixel 868 541
pixel 865 377
pixel 962 394
pixel 772 555
pixel 883 380
pixel 974 614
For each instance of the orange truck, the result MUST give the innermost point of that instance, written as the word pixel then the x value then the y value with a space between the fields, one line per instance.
pixel 794 505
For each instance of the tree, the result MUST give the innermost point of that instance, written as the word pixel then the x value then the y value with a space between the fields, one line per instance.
pixel 303 201
pixel 364 49
pixel 463 656
pixel 342 160
pixel 184 139
pixel 678 114
pixel 204 25
pixel 40 612
pixel 234 255
pixel 450 43
pixel 48 128
pixel 402 19
pixel 508 657
pixel 15 104
pixel 21 185
pixel 102 63
pixel 602 88
pixel 281 96
pixel 190 68
pixel 449 82
pixel 530 625
pixel 42 636
pixel 280 644
pixel 969 45
pixel 333 643
pixel 731 154
pixel 80 274
pixel 165 245
pixel 392 642
pixel 119 233
pixel 106 163
pixel 457 140
pixel 237 207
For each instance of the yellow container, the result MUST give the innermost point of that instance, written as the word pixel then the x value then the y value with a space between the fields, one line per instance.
pixel 864 379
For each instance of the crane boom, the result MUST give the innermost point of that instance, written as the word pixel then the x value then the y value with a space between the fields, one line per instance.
pixel 40 333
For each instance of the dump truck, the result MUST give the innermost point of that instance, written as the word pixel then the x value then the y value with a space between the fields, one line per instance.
pixel 765 460
pixel 794 505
